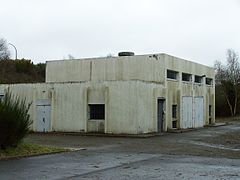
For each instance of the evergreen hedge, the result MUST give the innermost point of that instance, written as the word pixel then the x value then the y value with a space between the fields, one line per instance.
pixel 14 120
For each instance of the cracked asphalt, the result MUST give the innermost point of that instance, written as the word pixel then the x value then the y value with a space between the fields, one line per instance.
pixel 206 153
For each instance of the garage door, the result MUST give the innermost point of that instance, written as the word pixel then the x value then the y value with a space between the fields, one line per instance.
pixel 198 112
pixel 187 115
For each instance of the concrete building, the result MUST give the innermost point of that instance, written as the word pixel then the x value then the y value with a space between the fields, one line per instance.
pixel 121 95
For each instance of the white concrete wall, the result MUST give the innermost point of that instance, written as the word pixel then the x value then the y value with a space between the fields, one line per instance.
pixel 128 86
pixel 67 103
pixel 130 106
pixel 178 88
pixel 106 69
pixel 181 65
pixel 68 71
pixel 150 68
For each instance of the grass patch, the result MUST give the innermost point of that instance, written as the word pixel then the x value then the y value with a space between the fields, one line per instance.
pixel 26 149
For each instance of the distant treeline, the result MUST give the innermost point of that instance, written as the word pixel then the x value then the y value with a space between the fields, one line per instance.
pixel 21 71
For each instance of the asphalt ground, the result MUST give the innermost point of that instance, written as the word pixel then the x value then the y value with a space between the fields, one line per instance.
pixel 205 153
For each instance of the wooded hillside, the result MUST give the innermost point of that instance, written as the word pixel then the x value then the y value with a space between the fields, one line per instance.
pixel 21 71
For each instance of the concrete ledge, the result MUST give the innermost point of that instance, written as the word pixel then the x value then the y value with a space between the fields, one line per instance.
pixel 217 124
pixel 147 135
pixel 181 130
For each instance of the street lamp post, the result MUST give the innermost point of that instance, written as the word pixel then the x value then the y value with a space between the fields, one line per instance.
pixel 15 50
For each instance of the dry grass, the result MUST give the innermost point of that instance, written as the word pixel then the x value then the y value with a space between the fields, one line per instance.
pixel 25 149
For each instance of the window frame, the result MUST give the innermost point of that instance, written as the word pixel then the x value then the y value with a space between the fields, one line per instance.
pixel 211 81
pixel 96 111
pixel 174 73
pixel 197 76
pixel 174 111
pixel 174 124
pixel 189 75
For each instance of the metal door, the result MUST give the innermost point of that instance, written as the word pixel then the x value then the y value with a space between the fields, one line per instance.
pixel 198 112
pixel 43 115
pixel 187 116
pixel 160 113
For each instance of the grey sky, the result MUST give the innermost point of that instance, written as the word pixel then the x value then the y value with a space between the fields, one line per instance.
pixel 199 30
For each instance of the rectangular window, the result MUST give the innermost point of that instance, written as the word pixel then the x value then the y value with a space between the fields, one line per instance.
pixel 172 74
pixel 174 111
pixel 209 81
pixel 198 79
pixel 97 111
pixel 174 124
pixel 186 77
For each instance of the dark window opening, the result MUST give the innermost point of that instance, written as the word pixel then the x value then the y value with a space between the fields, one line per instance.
pixel 174 111
pixel 210 110
pixel 174 124
pixel 172 74
pixel 186 77
pixel 210 120
pixel 198 79
pixel 209 81
pixel 97 111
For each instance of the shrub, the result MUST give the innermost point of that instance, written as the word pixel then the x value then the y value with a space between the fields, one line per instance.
pixel 40 68
pixel 24 66
pixel 14 120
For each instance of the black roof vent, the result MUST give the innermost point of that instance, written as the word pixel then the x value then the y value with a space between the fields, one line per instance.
pixel 126 54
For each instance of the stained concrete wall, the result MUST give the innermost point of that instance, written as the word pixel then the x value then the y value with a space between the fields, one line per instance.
pixel 128 86
pixel 129 105
pixel 106 69
pixel 150 68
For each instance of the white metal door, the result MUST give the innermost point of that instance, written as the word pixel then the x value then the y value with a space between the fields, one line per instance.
pixel 43 115
pixel 187 116
pixel 198 117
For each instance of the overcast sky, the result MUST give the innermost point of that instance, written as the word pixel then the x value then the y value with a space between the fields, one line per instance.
pixel 199 30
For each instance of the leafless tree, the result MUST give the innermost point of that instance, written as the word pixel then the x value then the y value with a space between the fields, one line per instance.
pixel 4 52
pixel 228 77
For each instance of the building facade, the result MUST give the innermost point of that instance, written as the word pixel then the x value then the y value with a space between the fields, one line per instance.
pixel 121 95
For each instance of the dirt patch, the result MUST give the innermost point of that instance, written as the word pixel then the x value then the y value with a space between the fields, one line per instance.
pixel 229 139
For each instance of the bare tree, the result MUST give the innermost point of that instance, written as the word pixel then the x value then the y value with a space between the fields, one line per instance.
pixel 4 52
pixel 228 77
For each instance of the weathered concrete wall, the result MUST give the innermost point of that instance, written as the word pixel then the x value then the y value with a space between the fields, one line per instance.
pixel 128 86
pixel 150 68
pixel 132 107
pixel 67 103
pixel 68 71
pixel 176 90
pixel 181 65
pixel 129 105
pixel 106 69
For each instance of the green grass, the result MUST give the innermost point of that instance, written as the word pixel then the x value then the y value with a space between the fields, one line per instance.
pixel 26 149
